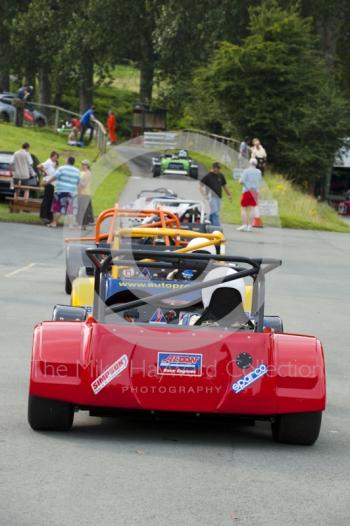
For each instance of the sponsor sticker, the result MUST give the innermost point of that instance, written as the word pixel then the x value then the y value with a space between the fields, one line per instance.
pixel 128 273
pixel 158 317
pixel 249 378
pixel 146 273
pixel 150 284
pixel 109 374
pixel 184 364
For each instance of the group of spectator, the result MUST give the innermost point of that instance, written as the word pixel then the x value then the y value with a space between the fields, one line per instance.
pixel 252 157
pixel 252 149
pixel 67 189
pixel 67 192
pixel 86 124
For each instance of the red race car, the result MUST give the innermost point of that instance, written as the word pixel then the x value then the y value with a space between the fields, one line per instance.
pixel 177 341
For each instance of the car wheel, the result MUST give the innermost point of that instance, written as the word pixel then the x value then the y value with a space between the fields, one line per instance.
pixel 156 171
pixel 68 285
pixel 297 428
pixel 68 313
pixel 49 415
pixel 5 116
pixel 194 172
pixel 273 322
pixel 40 122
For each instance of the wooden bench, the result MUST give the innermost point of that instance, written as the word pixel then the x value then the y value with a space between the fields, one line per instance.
pixel 18 203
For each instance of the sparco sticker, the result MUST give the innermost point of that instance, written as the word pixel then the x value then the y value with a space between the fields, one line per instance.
pixel 249 378
pixel 109 374
pixel 179 363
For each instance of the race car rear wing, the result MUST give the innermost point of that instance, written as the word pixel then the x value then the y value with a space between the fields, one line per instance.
pixel 104 258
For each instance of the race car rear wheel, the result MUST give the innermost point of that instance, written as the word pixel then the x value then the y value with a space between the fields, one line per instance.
pixel 297 428
pixel 68 285
pixel 49 415
pixel 156 171
pixel 193 172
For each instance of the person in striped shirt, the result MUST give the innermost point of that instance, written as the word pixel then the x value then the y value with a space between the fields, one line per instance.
pixel 67 179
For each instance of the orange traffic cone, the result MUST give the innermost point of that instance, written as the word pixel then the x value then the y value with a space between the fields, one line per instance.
pixel 257 222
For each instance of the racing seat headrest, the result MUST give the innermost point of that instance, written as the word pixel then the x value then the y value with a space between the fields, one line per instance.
pixel 224 300
pixel 226 305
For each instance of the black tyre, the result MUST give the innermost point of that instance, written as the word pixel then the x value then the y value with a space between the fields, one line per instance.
pixel 68 285
pixel 49 415
pixel 68 313
pixel 40 122
pixel 273 322
pixel 5 116
pixel 194 172
pixel 297 428
pixel 156 171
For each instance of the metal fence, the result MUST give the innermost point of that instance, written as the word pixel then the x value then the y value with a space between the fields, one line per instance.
pixel 228 141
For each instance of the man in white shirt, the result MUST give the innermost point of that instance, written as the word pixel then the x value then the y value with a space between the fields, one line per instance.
pixel 250 181
pixel 22 166
pixel 48 169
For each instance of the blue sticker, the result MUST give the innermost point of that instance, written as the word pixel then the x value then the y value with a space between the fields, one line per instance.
pixel 146 273
pixel 249 378
pixel 158 317
pixel 184 364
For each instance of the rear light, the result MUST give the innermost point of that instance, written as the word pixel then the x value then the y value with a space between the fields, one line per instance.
pixel 5 173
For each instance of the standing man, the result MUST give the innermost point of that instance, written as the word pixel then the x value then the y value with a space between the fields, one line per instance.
pixel 215 181
pixel 67 179
pixel 48 169
pixel 23 95
pixel 22 166
pixel 244 153
pixel 111 126
pixel 250 181
pixel 86 123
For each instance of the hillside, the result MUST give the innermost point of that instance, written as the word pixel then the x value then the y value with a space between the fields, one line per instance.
pixel 42 142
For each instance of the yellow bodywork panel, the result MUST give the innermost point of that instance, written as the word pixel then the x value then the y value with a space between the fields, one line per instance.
pixel 83 292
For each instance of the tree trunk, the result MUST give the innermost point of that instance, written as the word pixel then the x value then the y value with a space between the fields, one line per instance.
pixel 45 88
pixel 146 82
pixel 4 80
pixel 146 70
pixel 86 83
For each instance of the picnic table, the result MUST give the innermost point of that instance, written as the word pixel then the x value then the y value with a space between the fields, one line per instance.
pixel 18 203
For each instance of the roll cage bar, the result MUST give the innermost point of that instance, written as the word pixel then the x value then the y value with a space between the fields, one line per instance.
pixel 104 258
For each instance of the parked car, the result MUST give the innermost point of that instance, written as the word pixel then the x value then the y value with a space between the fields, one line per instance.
pixel 344 206
pixel 8 111
pixel 6 173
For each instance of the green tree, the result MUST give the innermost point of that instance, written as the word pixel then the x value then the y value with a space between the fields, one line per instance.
pixel 275 86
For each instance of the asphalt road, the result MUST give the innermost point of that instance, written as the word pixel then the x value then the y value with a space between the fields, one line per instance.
pixel 128 473
pixel 142 179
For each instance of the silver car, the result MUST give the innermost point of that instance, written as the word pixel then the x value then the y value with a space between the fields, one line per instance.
pixel 8 111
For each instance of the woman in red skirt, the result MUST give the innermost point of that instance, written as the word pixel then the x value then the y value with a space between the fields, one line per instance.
pixel 251 181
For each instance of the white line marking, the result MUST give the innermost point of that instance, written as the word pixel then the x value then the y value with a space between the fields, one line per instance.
pixel 22 269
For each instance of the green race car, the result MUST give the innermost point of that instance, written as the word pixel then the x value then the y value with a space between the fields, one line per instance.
pixel 174 164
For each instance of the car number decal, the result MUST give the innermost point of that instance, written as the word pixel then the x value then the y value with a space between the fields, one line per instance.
pixel 109 374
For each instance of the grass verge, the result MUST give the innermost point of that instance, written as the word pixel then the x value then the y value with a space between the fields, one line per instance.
pixel 42 142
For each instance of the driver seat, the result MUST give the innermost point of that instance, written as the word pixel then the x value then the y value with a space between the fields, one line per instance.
pixel 226 305
pixel 223 301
